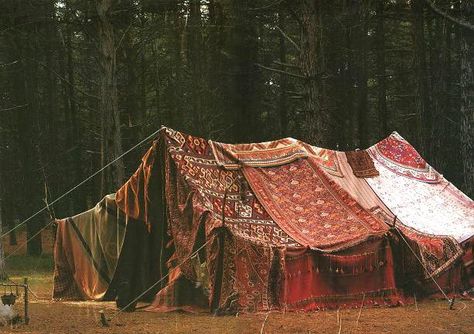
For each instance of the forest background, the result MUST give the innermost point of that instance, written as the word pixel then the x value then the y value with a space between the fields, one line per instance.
pixel 82 81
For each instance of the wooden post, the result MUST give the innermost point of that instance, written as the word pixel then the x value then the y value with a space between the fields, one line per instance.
pixel 103 319
pixel 25 281
pixel 3 274
pixel 451 303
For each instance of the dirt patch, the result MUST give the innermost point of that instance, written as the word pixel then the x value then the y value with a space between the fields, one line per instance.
pixel 431 317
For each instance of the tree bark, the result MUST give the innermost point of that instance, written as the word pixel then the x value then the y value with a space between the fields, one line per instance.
pixel 282 105
pixel 314 130
pixel 361 46
pixel 380 69
pixel 74 137
pixel 2 254
pixel 244 74
pixel 467 101
pixel 424 117
pixel 111 139
pixel 195 59
pixel 25 91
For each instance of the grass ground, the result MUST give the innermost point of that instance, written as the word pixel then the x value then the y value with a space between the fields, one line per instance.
pixel 430 317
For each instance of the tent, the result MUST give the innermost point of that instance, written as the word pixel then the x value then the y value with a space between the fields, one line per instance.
pixel 276 225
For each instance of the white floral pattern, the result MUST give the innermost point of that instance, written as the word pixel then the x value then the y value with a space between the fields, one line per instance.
pixel 439 209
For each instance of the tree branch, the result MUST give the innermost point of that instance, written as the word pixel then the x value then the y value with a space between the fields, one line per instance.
pixel 297 47
pixel 458 21
pixel 280 71
pixel 286 64
pixel 15 107
pixel 62 78
pixel 270 5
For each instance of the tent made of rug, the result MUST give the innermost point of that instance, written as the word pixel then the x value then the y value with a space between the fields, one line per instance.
pixel 275 225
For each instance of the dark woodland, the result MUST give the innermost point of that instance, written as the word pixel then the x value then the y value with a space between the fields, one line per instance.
pixel 83 81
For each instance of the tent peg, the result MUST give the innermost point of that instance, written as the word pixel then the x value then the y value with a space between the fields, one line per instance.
pixel 103 320
pixel 451 303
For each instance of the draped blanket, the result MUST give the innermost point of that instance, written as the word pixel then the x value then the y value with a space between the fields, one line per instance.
pixel 264 154
pixel 311 209
pixel 361 164
pixel 87 251
pixel 433 208
pixel 397 155
pixel 436 250
pixel 326 159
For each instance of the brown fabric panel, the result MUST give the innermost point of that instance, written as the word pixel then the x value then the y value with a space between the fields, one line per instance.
pixel 75 261
pixel 64 285
pixel 87 248
pixel 361 164
pixel 133 197
pixel 180 295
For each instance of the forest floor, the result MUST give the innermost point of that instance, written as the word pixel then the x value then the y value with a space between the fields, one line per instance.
pixel 46 316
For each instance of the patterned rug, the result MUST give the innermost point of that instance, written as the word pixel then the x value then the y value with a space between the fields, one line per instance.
pixel 310 208
pixel 397 155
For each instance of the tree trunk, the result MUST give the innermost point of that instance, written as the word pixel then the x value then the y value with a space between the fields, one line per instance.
pixel 111 139
pixel 314 130
pixel 74 139
pixel 25 84
pixel 195 59
pixel 2 254
pixel 361 46
pixel 283 105
pixel 439 67
pixel 380 70
pixel 467 101
pixel 244 74
pixel 424 117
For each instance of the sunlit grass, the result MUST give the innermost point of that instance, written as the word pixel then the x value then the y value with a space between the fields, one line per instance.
pixel 21 264
pixel 38 270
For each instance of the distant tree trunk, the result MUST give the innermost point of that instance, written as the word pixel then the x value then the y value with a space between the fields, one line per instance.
pixel 244 74
pixel 424 117
pixel 467 100
pixel 439 79
pixel 380 69
pixel 111 139
pixel 283 103
pixel 314 130
pixel 25 91
pixel 74 135
pixel 2 254
pixel 131 98
pixel 215 64
pixel 195 59
pixel 175 115
pixel 361 46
